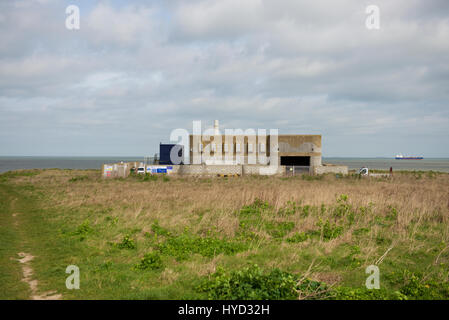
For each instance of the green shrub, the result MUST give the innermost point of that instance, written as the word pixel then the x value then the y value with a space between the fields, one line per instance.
pixel 344 293
pixel 183 246
pixel 360 231
pixel 127 243
pixel 328 230
pixel 256 208
pixel 250 217
pixel 289 209
pixel 323 209
pixel 252 284
pixel 366 210
pixel 279 229
pixel 298 237
pixel 342 208
pixel 158 230
pixel 113 220
pixel 417 287
pixel 150 261
pixel 83 229
pixel 305 211
pixel 245 224
pixel 392 214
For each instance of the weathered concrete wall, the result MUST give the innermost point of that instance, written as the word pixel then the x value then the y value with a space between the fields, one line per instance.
pixel 252 147
pixel 263 170
pixel 201 169
pixel 296 143
pixel 301 146
pixel 330 169
pixel 198 169
pixel 238 149
pixel 315 161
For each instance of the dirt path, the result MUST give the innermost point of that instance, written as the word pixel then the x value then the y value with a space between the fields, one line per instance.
pixel 25 259
pixel 27 270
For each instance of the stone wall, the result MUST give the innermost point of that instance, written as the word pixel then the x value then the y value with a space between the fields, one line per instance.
pixel 263 170
pixel 198 169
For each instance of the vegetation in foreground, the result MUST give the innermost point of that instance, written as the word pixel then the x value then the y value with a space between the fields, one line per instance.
pixel 226 238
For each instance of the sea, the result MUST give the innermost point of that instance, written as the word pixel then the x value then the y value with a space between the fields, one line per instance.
pixel 9 163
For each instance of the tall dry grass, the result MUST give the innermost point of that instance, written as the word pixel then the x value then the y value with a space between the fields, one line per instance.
pixel 200 203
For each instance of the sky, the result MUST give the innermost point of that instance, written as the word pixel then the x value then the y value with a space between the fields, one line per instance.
pixel 136 70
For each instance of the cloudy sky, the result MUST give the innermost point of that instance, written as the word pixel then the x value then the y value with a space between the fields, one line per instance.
pixel 136 70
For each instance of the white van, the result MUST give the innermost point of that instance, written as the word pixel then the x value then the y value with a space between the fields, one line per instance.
pixel 141 170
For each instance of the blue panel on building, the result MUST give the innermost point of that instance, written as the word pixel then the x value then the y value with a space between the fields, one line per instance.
pixel 165 151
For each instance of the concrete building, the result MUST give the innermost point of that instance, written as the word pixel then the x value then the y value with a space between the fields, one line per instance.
pixel 242 153
pixel 303 152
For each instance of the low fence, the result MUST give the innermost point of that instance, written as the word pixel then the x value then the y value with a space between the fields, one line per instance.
pixel 123 170
pixel 297 170
pixel 117 170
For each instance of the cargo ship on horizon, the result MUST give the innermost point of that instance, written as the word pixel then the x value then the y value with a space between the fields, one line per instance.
pixel 401 157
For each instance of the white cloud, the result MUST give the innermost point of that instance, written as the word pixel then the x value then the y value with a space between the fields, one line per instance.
pixel 135 71
pixel 126 26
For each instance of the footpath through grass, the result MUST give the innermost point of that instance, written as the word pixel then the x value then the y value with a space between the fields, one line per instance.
pixel 242 238
pixel 11 286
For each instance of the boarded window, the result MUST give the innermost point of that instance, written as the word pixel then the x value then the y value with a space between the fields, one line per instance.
pixel 295 161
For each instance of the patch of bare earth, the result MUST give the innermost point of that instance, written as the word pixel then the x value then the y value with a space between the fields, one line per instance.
pixel 25 259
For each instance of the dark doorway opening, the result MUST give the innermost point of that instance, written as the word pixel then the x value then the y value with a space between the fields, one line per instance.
pixel 295 161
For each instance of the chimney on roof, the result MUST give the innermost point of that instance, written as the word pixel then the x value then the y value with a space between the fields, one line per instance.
pixel 216 128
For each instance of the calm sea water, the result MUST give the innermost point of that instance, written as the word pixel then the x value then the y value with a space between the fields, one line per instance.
pixel 436 164
pixel 15 163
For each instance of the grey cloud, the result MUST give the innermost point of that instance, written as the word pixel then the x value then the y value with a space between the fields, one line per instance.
pixel 136 70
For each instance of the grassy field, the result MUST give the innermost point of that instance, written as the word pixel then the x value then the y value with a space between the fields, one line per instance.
pixel 225 238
